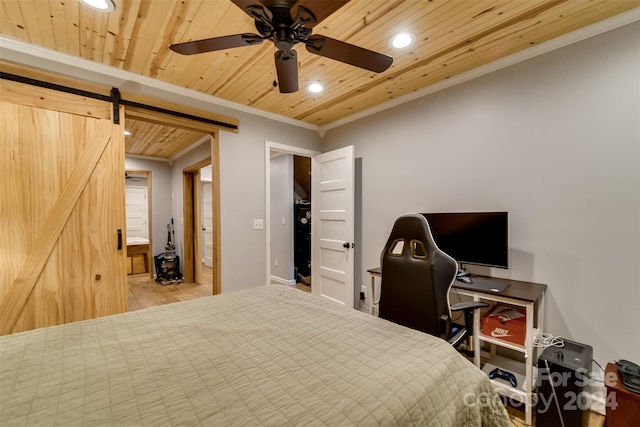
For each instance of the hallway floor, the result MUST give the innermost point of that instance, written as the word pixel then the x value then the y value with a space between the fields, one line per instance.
pixel 145 292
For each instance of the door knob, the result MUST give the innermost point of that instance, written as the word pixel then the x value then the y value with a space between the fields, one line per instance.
pixel 348 245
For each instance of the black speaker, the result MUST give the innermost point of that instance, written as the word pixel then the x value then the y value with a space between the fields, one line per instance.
pixel 563 374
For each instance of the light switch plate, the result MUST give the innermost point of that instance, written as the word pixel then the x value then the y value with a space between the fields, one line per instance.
pixel 258 224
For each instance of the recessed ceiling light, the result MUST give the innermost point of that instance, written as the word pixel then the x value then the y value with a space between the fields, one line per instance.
pixel 127 133
pixel 103 5
pixel 402 40
pixel 315 88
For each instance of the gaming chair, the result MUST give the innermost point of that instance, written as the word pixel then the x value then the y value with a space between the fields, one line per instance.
pixel 416 279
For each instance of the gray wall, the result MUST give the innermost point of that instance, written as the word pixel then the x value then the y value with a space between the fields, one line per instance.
pixel 555 141
pixel 282 244
pixel 242 193
pixel 160 197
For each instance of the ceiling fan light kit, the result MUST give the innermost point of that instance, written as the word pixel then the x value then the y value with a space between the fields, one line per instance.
pixel 286 23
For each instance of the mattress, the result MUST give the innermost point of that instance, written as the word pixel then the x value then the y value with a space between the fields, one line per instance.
pixel 271 356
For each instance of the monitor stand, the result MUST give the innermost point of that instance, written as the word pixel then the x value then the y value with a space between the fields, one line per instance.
pixel 464 280
pixel 463 275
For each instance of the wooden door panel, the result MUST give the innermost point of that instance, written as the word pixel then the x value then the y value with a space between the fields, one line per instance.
pixel 62 186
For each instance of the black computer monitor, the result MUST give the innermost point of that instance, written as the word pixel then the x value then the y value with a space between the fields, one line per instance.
pixel 479 238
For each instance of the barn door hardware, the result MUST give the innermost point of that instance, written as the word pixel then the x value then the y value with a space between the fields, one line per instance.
pixel 115 100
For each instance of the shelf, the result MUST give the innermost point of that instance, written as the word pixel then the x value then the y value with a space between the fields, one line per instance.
pixel 502 343
pixel 509 392
pixel 518 393
pixel 506 344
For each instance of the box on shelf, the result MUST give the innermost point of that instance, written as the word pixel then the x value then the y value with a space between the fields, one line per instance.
pixel 505 323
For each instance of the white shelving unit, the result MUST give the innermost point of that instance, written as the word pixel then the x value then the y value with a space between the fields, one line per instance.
pixel 518 294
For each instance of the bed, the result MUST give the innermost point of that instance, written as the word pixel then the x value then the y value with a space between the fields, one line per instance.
pixel 270 355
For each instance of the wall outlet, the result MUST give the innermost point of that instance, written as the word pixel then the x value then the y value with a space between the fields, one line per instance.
pixel 275 263
pixel 258 224
pixel 363 290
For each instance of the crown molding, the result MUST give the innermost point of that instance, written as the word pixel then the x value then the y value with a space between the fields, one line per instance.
pixel 570 38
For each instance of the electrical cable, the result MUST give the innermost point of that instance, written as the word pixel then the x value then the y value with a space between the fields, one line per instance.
pixel 544 340
pixel 601 368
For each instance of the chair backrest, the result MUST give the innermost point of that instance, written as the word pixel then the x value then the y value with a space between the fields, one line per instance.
pixel 416 277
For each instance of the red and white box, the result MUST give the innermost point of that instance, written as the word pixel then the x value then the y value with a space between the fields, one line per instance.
pixel 505 323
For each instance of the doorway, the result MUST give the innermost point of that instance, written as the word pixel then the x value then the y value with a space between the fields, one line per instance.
pixel 288 215
pixel 301 221
pixel 139 214
pixel 201 194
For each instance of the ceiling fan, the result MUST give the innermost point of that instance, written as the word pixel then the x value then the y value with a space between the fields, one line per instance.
pixel 286 23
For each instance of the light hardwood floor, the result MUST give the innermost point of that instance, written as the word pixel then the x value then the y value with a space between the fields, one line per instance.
pixel 145 292
pixel 517 419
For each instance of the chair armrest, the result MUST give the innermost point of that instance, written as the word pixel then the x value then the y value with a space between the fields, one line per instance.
pixel 469 305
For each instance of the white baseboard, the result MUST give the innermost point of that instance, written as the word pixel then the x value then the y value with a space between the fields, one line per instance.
pixel 280 280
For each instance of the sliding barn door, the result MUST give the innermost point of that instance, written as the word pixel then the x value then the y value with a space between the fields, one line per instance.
pixel 62 204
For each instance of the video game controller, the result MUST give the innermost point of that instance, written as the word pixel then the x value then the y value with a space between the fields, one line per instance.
pixel 499 373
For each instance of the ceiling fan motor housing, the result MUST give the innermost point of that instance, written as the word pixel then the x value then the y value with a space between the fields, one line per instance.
pixel 284 38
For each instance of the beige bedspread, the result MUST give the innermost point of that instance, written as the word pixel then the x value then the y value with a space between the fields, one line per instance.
pixel 266 356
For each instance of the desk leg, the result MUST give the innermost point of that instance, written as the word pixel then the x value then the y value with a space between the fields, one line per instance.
pixel 540 323
pixel 529 356
pixel 476 334
pixel 372 294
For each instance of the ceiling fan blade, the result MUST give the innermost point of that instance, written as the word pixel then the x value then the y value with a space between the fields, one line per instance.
pixel 287 69
pixel 216 43
pixel 321 9
pixel 348 53
pixel 255 9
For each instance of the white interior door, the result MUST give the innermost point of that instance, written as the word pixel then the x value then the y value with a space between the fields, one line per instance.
pixel 137 212
pixel 207 224
pixel 332 214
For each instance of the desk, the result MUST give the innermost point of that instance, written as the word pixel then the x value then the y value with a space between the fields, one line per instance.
pixel 622 405
pixel 139 246
pixel 523 294
pixel 374 273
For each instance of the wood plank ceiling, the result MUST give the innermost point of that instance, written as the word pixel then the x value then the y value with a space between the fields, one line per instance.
pixel 452 36
pixel 155 140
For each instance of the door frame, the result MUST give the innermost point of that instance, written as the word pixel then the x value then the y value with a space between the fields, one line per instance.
pixel 270 146
pixel 191 209
pixel 150 260
pixel 190 175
